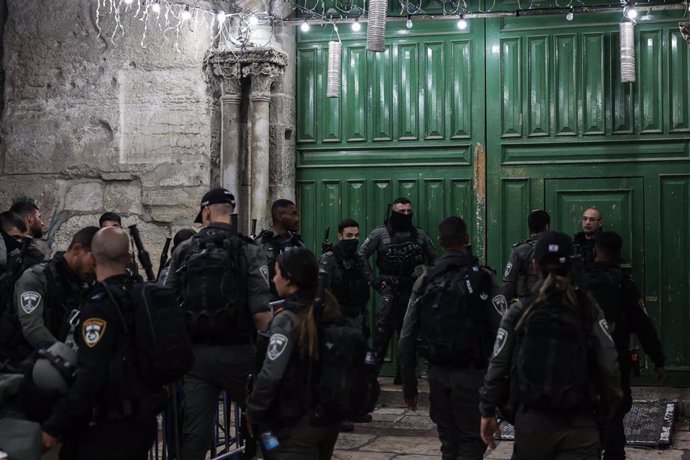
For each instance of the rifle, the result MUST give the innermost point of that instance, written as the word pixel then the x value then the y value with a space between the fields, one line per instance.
pixel 325 244
pixel 142 254
pixel 253 234
pixel 164 256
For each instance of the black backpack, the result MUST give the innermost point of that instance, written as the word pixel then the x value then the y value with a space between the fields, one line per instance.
pixel 454 326
pixel 551 362
pixel 214 298
pixel 156 323
pixel 347 382
pixel 606 287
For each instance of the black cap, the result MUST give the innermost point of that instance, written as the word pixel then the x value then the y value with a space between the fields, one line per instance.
pixel 215 196
pixel 553 248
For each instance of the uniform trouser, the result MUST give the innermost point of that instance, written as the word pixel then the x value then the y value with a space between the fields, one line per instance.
pixel 123 440
pixel 454 398
pixel 541 435
pixel 612 430
pixel 306 441
pixel 216 368
pixel 389 319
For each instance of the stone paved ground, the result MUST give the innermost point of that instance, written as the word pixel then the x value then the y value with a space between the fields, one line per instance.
pixel 398 433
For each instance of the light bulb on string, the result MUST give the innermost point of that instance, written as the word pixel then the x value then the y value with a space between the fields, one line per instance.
pixel 186 14
pixel 409 24
pixel 220 16
pixel 356 26
pixel 305 26
pixel 129 2
pixel 156 7
pixel 630 12
pixel 462 23
pixel 253 20
pixel 570 15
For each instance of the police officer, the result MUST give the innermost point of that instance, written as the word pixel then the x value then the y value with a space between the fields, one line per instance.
pixel 99 417
pixel 592 225
pixel 110 219
pixel 283 399
pixel 345 278
pixel 518 277
pixel 44 296
pixel 542 432
pixel 28 211
pixel 224 350
pixel 400 247
pixel 623 306
pixel 281 235
pixel 455 377
pixel 12 229
pixel 180 236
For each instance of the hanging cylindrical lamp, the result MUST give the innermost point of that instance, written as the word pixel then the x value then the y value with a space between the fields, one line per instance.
pixel 376 26
pixel 334 69
pixel 627 31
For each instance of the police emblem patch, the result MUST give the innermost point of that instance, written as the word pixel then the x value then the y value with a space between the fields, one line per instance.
pixel 92 330
pixel 509 267
pixel 500 304
pixel 264 272
pixel 276 346
pixel 501 336
pixel 29 301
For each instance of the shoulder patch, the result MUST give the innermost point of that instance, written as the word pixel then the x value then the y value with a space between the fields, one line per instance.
pixel 276 346
pixel 29 300
pixel 605 328
pixel 501 336
pixel 92 330
pixel 509 267
pixel 500 304
pixel 264 273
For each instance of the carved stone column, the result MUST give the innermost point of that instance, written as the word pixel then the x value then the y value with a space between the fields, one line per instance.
pixel 262 75
pixel 230 144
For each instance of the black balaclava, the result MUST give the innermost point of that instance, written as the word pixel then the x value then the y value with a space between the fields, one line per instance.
pixel 348 247
pixel 400 222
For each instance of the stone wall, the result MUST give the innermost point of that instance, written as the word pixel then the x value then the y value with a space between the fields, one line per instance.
pixel 91 126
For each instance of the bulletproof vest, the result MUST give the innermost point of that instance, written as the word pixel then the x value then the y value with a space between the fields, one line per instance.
pixel 214 280
pixel 64 294
pixel 526 278
pixel 348 283
pixel 273 247
pixel 605 285
pixel 453 311
pixel 398 254
pixel 127 395
pixel 551 365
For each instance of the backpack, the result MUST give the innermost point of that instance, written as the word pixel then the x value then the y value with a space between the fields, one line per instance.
pixel 157 327
pixel 551 364
pixel 214 298
pixel 454 327
pixel 606 287
pixel 347 382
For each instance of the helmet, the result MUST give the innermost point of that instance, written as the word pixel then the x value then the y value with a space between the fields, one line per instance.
pixel 55 369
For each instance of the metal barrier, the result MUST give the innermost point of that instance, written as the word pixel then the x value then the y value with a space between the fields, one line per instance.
pixel 226 431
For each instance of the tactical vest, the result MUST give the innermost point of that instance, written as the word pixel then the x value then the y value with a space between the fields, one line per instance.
pixel 272 247
pixel 399 255
pixel 526 278
pixel 63 295
pixel 349 285
pixel 605 285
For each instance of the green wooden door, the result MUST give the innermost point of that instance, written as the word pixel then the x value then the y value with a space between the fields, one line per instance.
pixel 408 123
pixel 564 134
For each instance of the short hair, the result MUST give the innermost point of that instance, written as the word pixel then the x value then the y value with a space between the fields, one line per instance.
pixel 183 235
pixel 110 216
pixel 9 219
pixel 452 232
pixel 401 200
pixel 23 207
pixel 538 220
pixel 84 237
pixel 347 223
pixel 609 243
pixel 279 205
pixel 601 214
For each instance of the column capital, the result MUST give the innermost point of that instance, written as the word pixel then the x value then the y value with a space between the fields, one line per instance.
pixel 262 75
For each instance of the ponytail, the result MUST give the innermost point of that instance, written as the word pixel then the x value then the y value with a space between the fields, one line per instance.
pixel 560 285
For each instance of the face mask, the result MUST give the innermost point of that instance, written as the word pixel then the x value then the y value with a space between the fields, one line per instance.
pixel 348 247
pixel 400 222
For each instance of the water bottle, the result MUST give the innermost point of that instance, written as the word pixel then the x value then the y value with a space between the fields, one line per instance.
pixel 269 440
